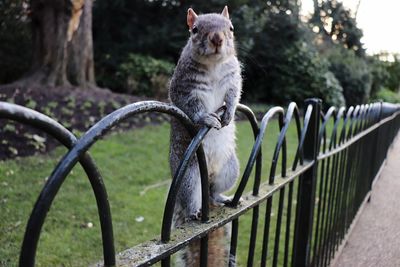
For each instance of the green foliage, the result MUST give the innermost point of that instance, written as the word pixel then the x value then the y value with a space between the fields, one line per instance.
pixel 157 28
pixel 278 51
pixel 332 92
pixel 335 21
pixel 249 21
pixel 393 68
pixel 144 75
pixel 352 72
pixel 15 40
pixel 387 95
pixel 379 74
pixel 288 66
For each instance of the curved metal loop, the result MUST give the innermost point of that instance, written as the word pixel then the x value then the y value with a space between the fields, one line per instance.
pixel 250 117
pixel 378 111
pixel 254 152
pixel 299 153
pixel 359 120
pixel 179 175
pixel 66 164
pixel 365 117
pixel 331 113
pixel 322 129
pixel 374 117
pixel 370 116
pixel 292 110
pixel 323 147
pixel 60 133
pixel 353 119
pixel 256 129
pixel 372 112
pixel 346 118
pixel 193 147
pixel 333 143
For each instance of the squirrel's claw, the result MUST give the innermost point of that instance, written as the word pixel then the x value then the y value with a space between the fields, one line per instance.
pixel 211 120
pixel 195 216
pixel 220 200
pixel 226 118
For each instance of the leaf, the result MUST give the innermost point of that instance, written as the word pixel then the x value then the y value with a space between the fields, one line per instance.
pixel 38 138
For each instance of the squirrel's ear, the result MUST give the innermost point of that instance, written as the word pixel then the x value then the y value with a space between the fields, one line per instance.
pixel 191 18
pixel 225 12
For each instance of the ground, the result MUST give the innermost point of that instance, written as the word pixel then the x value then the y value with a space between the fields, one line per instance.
pixel 73 107
pixel 375 240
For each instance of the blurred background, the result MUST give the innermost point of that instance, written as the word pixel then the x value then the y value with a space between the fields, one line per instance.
pixel 78 60
pixel 343 52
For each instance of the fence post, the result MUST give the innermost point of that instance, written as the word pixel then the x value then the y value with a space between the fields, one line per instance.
pixel 306 192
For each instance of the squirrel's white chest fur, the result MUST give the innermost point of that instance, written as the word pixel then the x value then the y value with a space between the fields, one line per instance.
pixel 213 97
pixel 218 144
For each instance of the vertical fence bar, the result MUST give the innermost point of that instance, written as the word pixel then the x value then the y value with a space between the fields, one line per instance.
pixel 234 239
pixel 204 251
pixel 267 222
pixel 288 222
pixel 253 236
pixel 278 227
pixel 306 194
pixel 376 163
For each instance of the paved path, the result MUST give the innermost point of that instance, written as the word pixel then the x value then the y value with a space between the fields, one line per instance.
pixel 375 240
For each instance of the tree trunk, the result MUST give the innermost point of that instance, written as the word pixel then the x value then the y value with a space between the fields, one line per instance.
pixel 80 69
pixel 62 41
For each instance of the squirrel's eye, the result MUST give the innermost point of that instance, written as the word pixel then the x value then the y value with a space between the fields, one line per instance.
pixel 194 30
pixel 231 28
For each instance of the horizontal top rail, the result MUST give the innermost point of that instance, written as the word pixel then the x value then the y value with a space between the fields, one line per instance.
pixel 357 137
pixel 152 251
pixel 354 123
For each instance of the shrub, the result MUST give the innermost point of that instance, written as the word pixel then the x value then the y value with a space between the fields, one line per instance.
pixel 387 95
pixel 379 74
pixel 288 66
pixel 393 68
pixel 15 40
pixel 352 72
pixel 145 75
pixel 332 92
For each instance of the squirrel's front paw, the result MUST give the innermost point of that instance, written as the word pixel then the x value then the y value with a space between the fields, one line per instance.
pixel 219 200
pixel 211 120
pixel 196 215
pixel 226 118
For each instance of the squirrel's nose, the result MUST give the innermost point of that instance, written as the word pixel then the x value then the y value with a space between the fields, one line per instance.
pixel 216 39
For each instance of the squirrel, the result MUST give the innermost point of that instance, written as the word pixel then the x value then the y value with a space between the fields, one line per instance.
pixel 206 78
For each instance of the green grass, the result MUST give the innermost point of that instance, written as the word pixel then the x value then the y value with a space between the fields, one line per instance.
pixel 134 166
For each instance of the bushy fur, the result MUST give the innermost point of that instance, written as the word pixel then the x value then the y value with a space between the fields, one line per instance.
pixel 207 77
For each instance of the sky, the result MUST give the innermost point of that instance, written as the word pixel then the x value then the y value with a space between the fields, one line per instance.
pixel 379 20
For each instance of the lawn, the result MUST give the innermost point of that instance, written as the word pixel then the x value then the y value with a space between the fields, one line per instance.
pixel 134 165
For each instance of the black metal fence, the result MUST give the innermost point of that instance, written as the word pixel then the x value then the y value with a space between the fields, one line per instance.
pixel 338 156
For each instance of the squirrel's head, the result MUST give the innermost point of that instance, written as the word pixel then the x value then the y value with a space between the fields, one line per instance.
pixel 211 35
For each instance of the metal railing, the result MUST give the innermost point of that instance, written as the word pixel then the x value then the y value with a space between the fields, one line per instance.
pixel 330 177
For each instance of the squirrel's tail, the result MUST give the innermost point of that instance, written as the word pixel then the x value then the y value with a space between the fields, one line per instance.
pixel 217 254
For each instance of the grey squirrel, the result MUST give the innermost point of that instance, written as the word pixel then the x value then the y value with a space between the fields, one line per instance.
pixel 207 77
